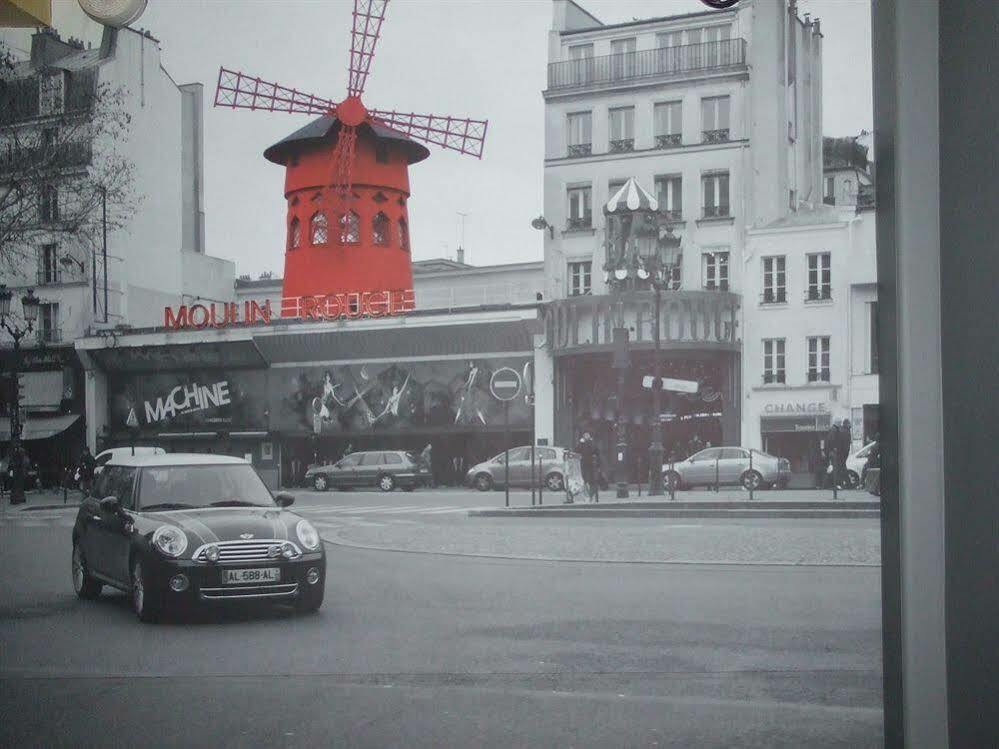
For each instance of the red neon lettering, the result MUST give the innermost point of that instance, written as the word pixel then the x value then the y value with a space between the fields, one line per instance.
pixel 193 316
pixel 258 312
pixel 377 304
pixel 176 322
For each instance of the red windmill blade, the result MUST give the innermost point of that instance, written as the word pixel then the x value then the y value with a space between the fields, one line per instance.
pixel 240 91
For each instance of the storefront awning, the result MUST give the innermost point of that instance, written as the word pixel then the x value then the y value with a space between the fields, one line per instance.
pixel 38 427
pixel 774 424
pixel 179 356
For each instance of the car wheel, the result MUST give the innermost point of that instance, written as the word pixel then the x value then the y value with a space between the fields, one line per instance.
pixel 853 479
pixel 320 483
pixel 386 482
pixel 85 586
pixel 671 481
pixel 554 482
pixel 144 602
pixel 752 480
pixel 483 482
pixel 310 598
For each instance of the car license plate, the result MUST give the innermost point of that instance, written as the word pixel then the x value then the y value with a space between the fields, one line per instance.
pixel 263 575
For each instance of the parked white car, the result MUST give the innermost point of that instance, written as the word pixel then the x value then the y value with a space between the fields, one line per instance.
pixel 106 456
pixel 855 464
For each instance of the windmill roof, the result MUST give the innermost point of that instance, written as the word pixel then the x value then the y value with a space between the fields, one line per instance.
pixel 631 197
pixel 323 127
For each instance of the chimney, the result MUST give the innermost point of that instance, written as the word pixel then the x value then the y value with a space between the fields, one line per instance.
pixel 47 47
pixel 461 255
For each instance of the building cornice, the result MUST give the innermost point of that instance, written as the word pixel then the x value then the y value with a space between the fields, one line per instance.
pixel 598 158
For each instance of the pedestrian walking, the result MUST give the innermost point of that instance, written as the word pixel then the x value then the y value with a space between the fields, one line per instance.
pixel 843 451
pixel 589 463
pixel 695 445
pixel 87 466
pixel 426 457
pixel 818 461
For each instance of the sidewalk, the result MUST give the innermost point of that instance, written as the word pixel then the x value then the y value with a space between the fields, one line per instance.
pixel 41 499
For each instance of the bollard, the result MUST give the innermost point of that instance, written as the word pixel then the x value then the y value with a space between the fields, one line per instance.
pixel 672 484
pixel 532 473
pixel 716 474
pixel 750 468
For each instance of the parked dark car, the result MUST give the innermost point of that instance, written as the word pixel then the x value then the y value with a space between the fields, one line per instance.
pixel 385 469
pixel 175 530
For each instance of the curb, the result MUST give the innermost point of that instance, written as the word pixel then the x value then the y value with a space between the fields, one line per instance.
pixel 592 512
pixel 342 542
pixel 50 507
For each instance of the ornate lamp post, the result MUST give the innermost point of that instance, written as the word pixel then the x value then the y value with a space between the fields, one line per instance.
pixel 657 261
pixel 29 311
pixel 631 232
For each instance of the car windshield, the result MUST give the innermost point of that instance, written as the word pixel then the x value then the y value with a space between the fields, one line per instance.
pixel 184 487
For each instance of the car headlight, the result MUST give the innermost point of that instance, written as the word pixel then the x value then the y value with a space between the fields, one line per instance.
pixel 170 540
pixel 307 535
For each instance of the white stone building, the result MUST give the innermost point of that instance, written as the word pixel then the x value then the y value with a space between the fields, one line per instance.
pixel 719 114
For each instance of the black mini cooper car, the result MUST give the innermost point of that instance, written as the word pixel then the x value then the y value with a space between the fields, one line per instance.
pixel 182 529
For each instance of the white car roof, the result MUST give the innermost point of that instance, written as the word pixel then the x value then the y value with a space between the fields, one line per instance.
pixel 176 459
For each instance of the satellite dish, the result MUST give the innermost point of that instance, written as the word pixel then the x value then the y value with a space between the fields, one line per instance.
pixel 114 13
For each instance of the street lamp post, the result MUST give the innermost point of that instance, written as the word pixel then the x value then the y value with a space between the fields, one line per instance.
pixel 29 311
pixel 658 262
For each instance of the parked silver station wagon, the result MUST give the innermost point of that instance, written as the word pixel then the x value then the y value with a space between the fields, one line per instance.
pixel 729 466
pixel 385 469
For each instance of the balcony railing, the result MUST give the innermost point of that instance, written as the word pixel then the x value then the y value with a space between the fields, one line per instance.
pixel 579 149
pixel 715 136
pixel 665 61
pixel 669 141
pixel 817 294
pixel 774 378
pixel 671 215
pixel 778 296
pixel 716 286
pixel 577 224
pixel 716 211
pixel 49 277
pixel 622 146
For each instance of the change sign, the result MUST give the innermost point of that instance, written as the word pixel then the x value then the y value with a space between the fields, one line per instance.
pixel 505 384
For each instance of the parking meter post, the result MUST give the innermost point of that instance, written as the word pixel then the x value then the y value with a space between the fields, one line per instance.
pixel 532 473
pixel 716 475
pixel 506 452
pixel 835 473
pixel 672 481
pixel 751 482
pixel 541 481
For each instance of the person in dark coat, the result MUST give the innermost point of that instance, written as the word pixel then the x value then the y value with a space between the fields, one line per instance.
pixel 832 447
pixel 843 452
pixel 87 466
pixel 589 464
pixel 818 464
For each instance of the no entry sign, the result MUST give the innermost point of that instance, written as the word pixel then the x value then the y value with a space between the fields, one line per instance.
pixel 505 384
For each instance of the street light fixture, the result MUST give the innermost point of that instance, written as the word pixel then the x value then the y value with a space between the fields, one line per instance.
pixel 29 312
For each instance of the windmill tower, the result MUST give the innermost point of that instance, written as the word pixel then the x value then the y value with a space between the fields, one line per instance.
pixel 347 173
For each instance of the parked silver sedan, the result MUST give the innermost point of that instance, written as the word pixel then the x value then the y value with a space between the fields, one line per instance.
pixel 728 466
pixel 549 465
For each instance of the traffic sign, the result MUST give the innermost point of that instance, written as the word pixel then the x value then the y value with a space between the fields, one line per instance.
pixel 678 386
pixel 132 422
pixel 505 384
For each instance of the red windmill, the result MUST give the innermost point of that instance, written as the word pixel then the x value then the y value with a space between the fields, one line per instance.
pixel 346 173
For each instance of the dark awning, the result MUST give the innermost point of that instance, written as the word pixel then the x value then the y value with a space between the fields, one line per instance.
pixel 208 354
pixel 38 427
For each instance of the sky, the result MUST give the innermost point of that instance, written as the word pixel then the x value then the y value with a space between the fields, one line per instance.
pixel 484 59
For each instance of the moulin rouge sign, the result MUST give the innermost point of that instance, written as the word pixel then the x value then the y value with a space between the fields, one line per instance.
pixel 350 306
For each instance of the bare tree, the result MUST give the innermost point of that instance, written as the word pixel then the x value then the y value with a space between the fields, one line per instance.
pixel 64 180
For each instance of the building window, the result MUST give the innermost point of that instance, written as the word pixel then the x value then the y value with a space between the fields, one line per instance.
pixel 319 229
pixel 774 280
pixel 48 264
pixel 715 119
pixel 294 234
pixel 623 57
pixel 829 194
pixel 872 315
pixel 669 52
pixel 580 208
pixel 669 193
pixel 49 204
pixel 581 56
pixel 51 93
pixel 579 134
pixel 675 281
pixel 715 270
pixel 380 229
pixel 716 49
pixel 819 277
pixel 580 278
pixel 818 359
pixel 350 228
pixel 48 322
pixel 668 122
pixel 715 193
pixel 622 129
pixel 403 235
pixel 773 361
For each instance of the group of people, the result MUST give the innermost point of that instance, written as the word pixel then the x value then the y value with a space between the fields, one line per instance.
pixel 80 475
pixel 830 457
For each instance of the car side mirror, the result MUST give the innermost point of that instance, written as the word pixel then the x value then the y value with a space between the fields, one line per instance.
pixel 110 505
pixel 284 499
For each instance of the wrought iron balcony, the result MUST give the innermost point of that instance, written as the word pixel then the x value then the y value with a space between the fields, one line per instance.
pixel 818 294
pixel 49 277
pixel 772 296
pixel 665 61
pixel 715 136
pixel 719 286
pixel 622 146
pixel 716 211
pixel 669 141
pixel 576 224
pixel 579 149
